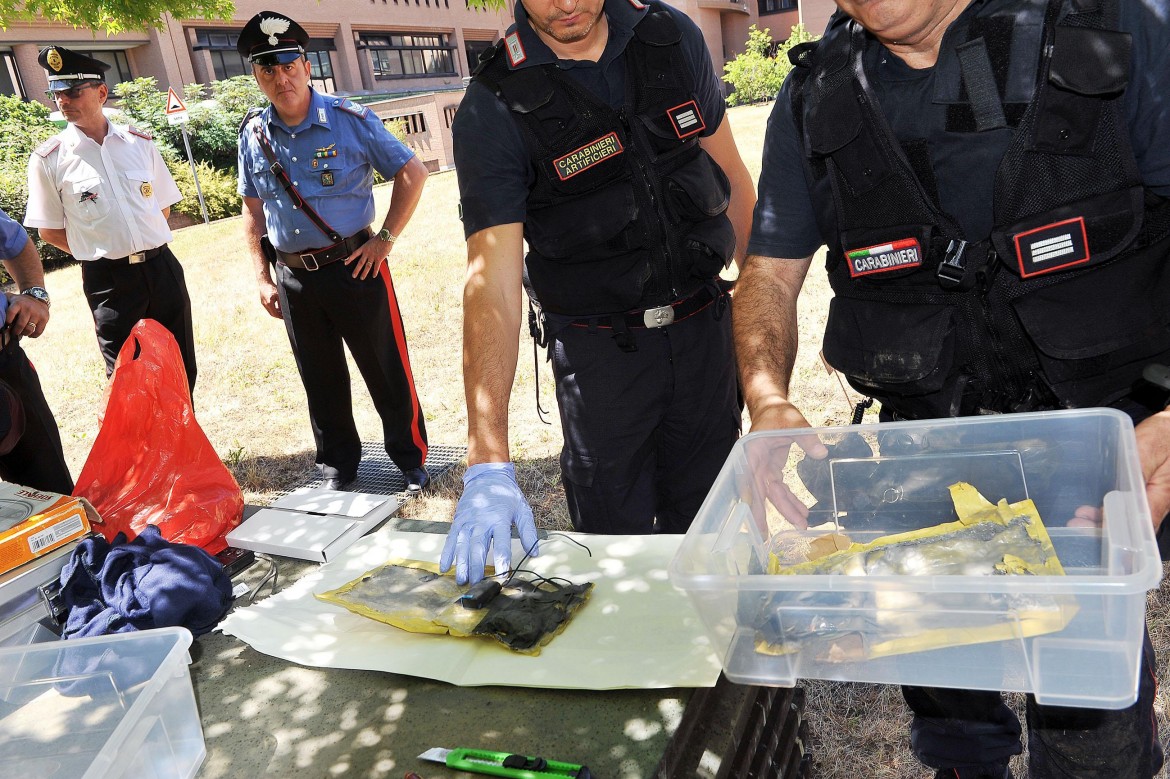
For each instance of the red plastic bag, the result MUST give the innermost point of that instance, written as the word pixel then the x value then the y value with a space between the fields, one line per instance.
pixel 151 463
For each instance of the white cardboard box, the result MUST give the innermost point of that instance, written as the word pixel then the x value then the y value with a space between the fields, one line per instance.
pixel 313 524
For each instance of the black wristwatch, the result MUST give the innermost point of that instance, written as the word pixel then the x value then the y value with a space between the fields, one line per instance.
pixel 40 293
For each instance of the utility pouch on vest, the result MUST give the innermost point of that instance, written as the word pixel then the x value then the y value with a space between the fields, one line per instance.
pixel 1088 67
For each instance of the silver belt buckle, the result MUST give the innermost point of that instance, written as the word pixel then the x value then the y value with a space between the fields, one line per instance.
pixel 658 317
pixel 309 258
pixel 136 258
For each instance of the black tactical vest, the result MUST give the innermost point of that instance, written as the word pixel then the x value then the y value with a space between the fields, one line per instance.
pixel 1068 297
pixel 628 211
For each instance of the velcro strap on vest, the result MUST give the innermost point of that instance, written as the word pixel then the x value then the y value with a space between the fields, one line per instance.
pixel 975 63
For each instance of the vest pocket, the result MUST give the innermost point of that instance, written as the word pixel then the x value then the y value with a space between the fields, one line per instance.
pixel 698 190
pixel 891 349
pixel 584 228
pixel 1095 331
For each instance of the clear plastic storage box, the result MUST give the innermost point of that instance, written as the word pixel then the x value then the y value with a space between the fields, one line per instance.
pixel 112 707
pixel 1072 637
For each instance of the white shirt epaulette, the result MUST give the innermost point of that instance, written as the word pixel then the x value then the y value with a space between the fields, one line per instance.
pixel 139 132
pixel 46 148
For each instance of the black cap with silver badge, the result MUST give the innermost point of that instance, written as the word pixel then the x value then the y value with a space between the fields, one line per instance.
pixel 271 38
pixel 69 68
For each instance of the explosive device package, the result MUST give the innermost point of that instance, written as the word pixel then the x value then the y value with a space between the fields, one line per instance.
pixel 987 540
pixel 524 615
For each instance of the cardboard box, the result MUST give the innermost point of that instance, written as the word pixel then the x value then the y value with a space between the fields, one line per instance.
pixel 33 522
pixel 313 524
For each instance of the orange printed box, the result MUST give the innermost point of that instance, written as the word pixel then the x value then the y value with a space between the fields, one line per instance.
pixel 33 522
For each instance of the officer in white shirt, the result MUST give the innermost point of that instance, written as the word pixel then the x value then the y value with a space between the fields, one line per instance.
pixel 101 192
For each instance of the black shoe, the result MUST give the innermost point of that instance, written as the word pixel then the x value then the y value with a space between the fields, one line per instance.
pixel 974 773
pixel 417 479
pixel 341 483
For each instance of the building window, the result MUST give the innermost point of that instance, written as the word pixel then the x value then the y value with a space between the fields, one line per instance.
pixel 10 83
pixel 321 71
pixel 474 49
pixel 408 56
pixel 412 124
pixel 119 66
pixel 449 114
pixel 226 62
pixel 776 6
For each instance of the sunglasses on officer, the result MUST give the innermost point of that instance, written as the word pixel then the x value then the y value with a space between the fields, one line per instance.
pixel 72 92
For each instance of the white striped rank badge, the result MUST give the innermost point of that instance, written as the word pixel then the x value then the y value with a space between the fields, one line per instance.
pixel 1052 247
pixel 686 119
pixel 884 257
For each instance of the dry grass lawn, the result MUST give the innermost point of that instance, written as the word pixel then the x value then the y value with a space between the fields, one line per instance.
pixel 250 403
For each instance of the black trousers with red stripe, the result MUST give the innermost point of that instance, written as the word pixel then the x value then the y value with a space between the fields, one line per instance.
pixel 973 733
pixel 325 308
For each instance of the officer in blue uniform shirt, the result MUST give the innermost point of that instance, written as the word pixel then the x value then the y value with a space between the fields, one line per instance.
pixel 596 132
pixel 306 176
pixel 30 445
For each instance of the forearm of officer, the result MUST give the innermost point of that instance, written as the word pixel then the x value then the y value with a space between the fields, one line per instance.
pixel 55 237
pixel 27 271
pixel 1153 441
pixel 253 213
pixel 492 300
pixel 767 336
pixel 721 146
pixel 408 189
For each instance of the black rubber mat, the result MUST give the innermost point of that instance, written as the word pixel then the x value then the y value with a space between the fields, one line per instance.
pixel 378 475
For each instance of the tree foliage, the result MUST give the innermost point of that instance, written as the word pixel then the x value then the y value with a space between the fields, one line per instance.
pixel 113 16
pixel 759 72
pixel 23 127
pixel 213 125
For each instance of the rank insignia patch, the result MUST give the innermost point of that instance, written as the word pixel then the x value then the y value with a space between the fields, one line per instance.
pixel 686 119
pixel 587 156
pixel 516 53
pixel 885 257
pixel 1052 247
pixel 327 178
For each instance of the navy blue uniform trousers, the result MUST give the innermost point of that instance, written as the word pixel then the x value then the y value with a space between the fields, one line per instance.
pixel 120 294
pixel 646 431
pixel 37 459
pixel 324 308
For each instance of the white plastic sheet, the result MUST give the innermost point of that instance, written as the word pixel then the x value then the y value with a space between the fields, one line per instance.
pixel 636 631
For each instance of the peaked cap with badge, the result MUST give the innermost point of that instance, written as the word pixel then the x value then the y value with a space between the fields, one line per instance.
pixel 271 38
pixel 69 68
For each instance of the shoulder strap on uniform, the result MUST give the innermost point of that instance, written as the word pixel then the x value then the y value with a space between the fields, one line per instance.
pixel 251 114
pixel 657 28
pixel 139 132
pixel 48 147
pixel 350 107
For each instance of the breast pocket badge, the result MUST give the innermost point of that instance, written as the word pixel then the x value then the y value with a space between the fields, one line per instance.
pixel 146 189
pixel 327 178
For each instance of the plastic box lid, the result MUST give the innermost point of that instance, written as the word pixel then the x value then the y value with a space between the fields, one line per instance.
pixel 100 708
pixel 968 630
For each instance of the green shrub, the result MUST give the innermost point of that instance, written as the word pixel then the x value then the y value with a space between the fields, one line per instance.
pixel 759 72
pixel 23 127
pixel 219 190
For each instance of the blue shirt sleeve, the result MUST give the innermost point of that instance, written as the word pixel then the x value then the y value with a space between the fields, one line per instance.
pixel 12 237
pixel 491 162
pixel 708 86
pixel 385 153
pixel 785 223
pixel 1148 98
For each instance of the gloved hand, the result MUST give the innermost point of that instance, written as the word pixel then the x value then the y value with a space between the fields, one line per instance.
pixel 491 502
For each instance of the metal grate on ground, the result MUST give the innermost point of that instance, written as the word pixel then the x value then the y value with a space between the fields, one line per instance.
pixel 378 475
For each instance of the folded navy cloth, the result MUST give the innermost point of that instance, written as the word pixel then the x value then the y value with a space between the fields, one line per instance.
pixel 142 584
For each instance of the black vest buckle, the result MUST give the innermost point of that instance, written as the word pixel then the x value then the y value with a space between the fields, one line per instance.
pixel 960 263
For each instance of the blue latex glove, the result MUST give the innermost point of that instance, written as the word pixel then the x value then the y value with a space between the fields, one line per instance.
pixel 491 502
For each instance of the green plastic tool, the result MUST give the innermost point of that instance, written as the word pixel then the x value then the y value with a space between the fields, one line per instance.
pixel 482 761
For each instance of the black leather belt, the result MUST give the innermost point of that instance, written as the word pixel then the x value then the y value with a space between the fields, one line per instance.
pixel 660 316
pixel 319 258
pixel 137 257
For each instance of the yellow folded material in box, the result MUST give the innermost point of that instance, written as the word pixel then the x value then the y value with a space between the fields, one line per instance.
pixel 414 596
pixel 34 522
pixel 987 540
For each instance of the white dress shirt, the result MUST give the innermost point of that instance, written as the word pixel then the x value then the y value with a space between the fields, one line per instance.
pixel 108 197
